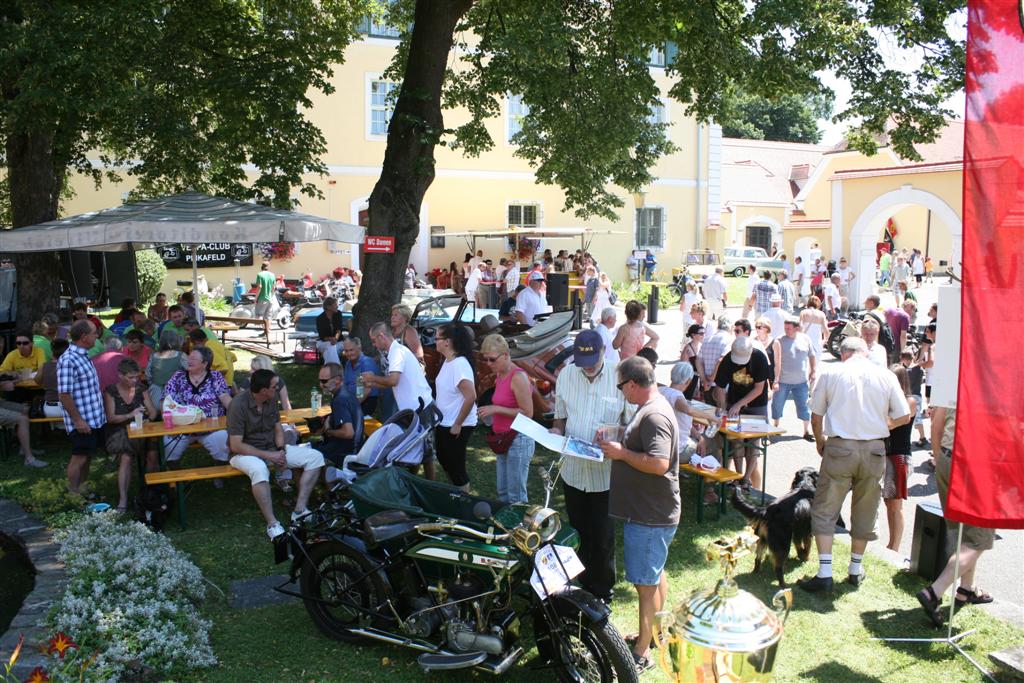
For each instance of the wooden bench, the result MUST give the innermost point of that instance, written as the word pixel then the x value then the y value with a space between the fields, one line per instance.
pixel 242 322
pixel 717 478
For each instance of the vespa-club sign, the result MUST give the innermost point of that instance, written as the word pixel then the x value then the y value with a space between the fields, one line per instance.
pixel 208 255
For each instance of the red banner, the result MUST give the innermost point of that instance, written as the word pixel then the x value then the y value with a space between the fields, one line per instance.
pixel 987 480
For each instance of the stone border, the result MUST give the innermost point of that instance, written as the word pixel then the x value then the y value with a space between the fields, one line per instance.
pixel 50 581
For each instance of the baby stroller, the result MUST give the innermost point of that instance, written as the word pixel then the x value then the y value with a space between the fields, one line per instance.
pixel 402 440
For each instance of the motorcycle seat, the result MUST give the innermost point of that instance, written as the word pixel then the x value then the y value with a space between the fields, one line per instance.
pixel 388 525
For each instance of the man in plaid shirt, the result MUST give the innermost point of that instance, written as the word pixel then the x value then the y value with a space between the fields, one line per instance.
pixel 78 388
pixel 712 351
pixel 763 292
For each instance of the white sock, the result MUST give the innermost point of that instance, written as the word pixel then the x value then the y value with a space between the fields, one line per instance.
pixel 825 565
pixel 855 568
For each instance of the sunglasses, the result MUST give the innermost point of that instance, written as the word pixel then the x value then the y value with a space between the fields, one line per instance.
pixel 490 359
pixel 323 381
pixel 622 384
pixel 760 327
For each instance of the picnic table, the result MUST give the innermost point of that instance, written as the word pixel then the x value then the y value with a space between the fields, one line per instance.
pixel 223 327
pixel 759 438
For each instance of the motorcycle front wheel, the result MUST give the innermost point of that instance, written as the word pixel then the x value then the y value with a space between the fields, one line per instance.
pixel 331 574
pixel 835 338
pixel 588 652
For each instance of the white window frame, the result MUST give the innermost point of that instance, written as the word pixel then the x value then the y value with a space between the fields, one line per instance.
pixel 372 78
pixel 383 30
pixel 662 109
pixel 514 120
pixel 656 56
pixel 664 232
pixel 439 234
pixel 524 203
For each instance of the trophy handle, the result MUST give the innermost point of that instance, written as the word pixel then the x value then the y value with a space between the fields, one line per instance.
pixel 660 626
pixel 782 601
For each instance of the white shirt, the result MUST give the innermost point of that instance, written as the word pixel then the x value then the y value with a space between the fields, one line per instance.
pixel 473 282
pixel 412 383
pixel 684 421
pixel 511 279
pixel 474 261
pixel 776 316
pixel 714 287
pixel 611 355
pixel 878 356
pixel 531 303
pixel 844 275
pixel 855 397
pixel 831 292
pixel 752 280
pixel 449 397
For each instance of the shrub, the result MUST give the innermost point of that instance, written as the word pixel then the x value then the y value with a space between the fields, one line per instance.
pixel 48 497
pixel 626 291
pixel 151 271
pixel 132 597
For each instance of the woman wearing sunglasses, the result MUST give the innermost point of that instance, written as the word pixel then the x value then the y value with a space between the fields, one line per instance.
pixel 512 396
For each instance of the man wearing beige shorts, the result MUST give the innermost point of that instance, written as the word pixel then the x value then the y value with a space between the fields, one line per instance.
pixel 974 541
pixel 855 404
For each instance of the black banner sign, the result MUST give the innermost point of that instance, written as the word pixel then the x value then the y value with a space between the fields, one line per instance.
pixel 209 255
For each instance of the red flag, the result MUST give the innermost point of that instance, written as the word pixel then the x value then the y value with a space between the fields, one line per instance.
pixel 987 480
pixel 890 227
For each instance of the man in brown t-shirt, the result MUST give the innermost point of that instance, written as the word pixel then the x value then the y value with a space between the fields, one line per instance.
pixel 256 440
pixel 645 492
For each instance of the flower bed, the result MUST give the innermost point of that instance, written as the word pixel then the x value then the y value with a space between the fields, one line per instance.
pixel 133 598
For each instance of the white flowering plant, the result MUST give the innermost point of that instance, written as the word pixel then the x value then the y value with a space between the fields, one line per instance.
pixel 132 597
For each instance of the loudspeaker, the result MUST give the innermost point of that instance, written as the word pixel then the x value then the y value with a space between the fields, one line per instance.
pixel 558 291
pixel 929 552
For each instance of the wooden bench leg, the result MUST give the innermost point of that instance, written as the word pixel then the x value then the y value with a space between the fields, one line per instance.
pixel 180 489
pixel 700 499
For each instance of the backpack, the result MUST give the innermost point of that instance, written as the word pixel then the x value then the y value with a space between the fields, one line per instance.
pixel 885 337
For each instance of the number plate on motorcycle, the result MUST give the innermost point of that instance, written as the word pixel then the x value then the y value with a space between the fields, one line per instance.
pixel 554 566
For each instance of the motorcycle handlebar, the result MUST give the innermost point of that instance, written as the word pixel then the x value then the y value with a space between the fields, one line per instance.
pixel 452 526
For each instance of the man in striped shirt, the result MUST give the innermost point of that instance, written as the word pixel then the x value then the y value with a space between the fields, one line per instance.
pixel 586 397
pixel 78 388
pixel 712 351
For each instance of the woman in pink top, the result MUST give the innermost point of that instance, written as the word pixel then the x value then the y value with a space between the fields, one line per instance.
pixel 512 396
pixel 630 337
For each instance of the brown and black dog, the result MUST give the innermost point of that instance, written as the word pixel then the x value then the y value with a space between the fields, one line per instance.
pixel 784 522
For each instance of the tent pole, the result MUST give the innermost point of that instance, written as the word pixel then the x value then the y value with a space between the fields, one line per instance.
pixel 195 272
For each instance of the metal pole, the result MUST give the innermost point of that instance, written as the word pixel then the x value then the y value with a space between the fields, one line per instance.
pixel 195 270
pixel 928 233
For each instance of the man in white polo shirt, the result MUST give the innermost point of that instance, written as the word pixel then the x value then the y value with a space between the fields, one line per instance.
pixel 855 405
pixel 532 301
pixel 405 377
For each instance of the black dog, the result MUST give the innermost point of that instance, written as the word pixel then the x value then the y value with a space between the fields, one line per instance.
pixel 153 505
pixel 784 522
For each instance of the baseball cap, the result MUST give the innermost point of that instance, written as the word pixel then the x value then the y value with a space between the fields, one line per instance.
pixel 535 275
pixel 791 319
pixel 587 349
pixel 742 348
pixel 776 297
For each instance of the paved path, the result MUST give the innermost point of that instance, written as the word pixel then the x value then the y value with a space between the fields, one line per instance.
pixel 999 571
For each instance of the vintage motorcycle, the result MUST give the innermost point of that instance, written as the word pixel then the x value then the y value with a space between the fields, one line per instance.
pixel 395 558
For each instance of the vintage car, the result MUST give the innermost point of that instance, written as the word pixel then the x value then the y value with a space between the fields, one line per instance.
pixel 738 258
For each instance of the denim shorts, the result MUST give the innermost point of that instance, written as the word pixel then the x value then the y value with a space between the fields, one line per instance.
pixel 646 550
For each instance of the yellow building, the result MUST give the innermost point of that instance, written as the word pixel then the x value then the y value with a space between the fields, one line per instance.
pixel 491 191
pixel 835 202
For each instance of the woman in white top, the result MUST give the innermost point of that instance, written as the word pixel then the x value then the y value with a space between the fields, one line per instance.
pixel 602 298
pixel 691 297
pixel 456 399
pixel 681 377
pixel 814 325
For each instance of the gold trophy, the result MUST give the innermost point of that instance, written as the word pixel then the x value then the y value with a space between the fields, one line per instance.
pixel 723 634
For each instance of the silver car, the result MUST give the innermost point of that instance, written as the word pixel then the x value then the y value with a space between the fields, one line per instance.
pixel 737 259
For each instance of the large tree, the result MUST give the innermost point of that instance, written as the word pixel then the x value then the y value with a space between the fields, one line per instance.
pixel 179 94
pixel 786 118
pixel 581 68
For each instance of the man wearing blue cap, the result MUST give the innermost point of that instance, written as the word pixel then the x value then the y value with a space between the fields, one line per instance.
pixel 586 397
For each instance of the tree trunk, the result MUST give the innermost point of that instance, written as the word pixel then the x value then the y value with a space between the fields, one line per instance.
pixel 35 185
pixel 408 168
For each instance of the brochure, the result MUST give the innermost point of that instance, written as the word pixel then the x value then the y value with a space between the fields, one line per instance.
pixel 751 425
pixel 566 445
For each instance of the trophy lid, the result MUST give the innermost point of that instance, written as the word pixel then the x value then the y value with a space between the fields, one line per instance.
pixel 726 618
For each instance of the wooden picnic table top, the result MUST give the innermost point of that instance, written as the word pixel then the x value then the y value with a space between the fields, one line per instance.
pixel 734 434
pixel 222 326
pixel 213 424
pixel 28 384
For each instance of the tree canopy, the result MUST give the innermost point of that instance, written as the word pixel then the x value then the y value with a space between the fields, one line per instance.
pixel 787 118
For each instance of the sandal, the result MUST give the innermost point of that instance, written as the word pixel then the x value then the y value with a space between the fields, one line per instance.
pixel 973 597
pixel 926 596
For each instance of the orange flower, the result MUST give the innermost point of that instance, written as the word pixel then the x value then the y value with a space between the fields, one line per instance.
pixel 17 651
pixel 38 675
pixel 60 644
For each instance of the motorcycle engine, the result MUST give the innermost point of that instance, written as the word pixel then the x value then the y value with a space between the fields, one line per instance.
pixel 464 629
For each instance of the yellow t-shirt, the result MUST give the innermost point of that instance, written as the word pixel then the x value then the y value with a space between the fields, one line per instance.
pixel 15 362
pixel 222 361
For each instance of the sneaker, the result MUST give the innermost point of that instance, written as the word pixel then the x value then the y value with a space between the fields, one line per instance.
pixel 35 462
pixel 298 515
pixel 642 663
pixel 923 442
pixel 274 530
pixel 218 483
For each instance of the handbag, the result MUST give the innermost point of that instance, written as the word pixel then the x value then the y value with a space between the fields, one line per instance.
pixel 35 408
pixel 500 443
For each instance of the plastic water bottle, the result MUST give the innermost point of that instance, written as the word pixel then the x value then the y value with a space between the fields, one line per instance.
pixel 360 388
pixel 314 400
pixel 168 420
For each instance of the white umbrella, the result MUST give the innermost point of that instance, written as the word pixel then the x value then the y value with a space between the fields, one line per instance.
pixel 187 218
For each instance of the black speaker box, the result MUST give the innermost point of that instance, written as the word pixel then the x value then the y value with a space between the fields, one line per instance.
pixel 558 291
pixel 929 552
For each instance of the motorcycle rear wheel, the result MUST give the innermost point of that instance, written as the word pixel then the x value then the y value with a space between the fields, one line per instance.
pixel 592 653
pixel 835 338
pixel 330 574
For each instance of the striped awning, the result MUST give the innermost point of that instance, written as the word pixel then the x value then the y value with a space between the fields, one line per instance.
pixel 187 218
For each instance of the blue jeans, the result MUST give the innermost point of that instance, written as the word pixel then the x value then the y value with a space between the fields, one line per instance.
pixel 799 394
pixel 513 469
pixel 645 550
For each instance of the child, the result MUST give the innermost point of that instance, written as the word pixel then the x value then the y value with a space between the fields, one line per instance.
pixel 916 376
pixel 928 268
pixel 629 338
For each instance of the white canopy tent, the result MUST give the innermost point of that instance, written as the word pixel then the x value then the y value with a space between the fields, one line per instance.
pixel 585 235
pixel 187 218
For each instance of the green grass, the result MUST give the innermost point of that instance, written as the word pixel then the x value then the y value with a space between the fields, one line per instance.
pixel 825 640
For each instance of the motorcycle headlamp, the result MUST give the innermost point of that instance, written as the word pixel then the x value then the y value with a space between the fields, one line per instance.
pixel 545 522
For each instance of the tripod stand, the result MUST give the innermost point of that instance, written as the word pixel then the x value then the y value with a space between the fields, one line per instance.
pixel 950 639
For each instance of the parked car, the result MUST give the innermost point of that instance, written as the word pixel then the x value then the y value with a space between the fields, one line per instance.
pixel 738 258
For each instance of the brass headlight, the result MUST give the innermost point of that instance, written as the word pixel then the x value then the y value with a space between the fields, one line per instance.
pixel 544 521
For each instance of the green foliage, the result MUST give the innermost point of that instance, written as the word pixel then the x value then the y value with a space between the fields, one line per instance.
pixel 787 118
pixel 151 272
pixel 642 292
pixel 47 497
